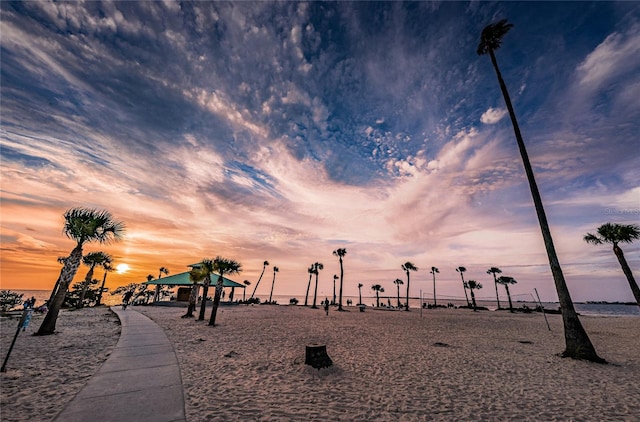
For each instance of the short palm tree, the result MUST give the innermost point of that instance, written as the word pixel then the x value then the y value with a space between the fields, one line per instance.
pixel 335 277
pixel 196 275
pixel 473 285
pixel 107 269
pixel 275 270
pixel 84 226
pixel 161 271
pixel 340 253
pixel 222 266
pixel 360 285
pixel 306 296
pixel 398 282
pixel 577 342
pixel 92 260
pixel 408 267
pixel 505 281
pixel 265 264
pixel 494 271
pixel 316 269
pixel 434 271
pixel 208 266
pixel 378 289
pixel 614 234
pixel 246 283
pixel 462 270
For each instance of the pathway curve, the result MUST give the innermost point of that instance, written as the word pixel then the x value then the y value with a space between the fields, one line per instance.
pixel 139 382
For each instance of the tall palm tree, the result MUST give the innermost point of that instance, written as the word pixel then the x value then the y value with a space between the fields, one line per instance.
pixel 310 271
pixel 107 269
pixel 614 234
pixel 398 282
pixel 84 226
pixel 246 283
pixel 223 266
pixel 505 281
pixel 473 285
pixel 360 285
pixel 340 253
pixel 275 270
pixel 494 271
pixel 196 275
pixel 378 289
pixel 578 344
pixel 161 271
pixel 208 266
pixel 335 277
pixel 408 267
pixel 265 264
pixel 92 259
pixel 461 270
pixel 316 269
pixel 433 271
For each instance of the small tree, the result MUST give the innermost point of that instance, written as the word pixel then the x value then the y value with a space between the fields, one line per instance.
pixel 434 271
pixel 265 264
pixel 310 271
pixel 378 289
pixel 9 299
pixel 494 271
pixel 473 285
pixel 505 281
pixel 408 267
pixel 316 270
pixel 398 282
pixel 275 270
pixel 360 285
pixel 246 283
pixel 196 275
pixel 340 253
pixel 222 266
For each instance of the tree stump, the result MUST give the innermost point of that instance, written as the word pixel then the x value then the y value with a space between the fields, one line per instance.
pixel 316 356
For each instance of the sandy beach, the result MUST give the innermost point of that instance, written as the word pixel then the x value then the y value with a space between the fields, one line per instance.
pixel 388 365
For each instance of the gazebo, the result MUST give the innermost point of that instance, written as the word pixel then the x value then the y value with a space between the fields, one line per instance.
pixel 184 284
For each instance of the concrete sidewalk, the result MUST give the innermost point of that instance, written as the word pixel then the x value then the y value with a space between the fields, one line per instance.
pixel 139 382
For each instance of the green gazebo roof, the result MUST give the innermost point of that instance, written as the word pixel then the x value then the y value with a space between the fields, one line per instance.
pixel 183 279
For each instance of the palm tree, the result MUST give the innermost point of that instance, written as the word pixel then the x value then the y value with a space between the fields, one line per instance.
pixel 223 266
pixel 614 234
pixel 265 264
pixel 398 282
pixel 91 260
pixel 494 271
pixel 578 344
pixel 84 226
pixel 407 267
pixel 246 283
pixel 433 271
pixel 208 266
pixel 61 260
pixel 275 270
pixel 473 285
pixel 310 271
pixel 378 289
pixel 505 281
pixel 360 285
pixel 196 275
pixel 161 270
pixel 107 269
pixel 316 269
pixel 335 277
pixel 340 253
pixel 461 270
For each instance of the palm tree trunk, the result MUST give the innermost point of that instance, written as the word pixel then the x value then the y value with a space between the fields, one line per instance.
pixel 193 300
pixel 406 307
pixel 341 277
pixel 360 295
pixel 315 293
pixel 377 299
pixel 69 270
pixel 627 272
pixel 205 292
pixel 473 299
pixel 577 342
pixel 435 304
pixel 216 301
pixel 509 296
pixel 272 284
pixel 306 296
pixel 398 296
pixel 495 283
pixel 104 279
pixel 464 287
pixel 260 278
pixel 85 286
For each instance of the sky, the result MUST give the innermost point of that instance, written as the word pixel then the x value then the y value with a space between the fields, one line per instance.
pixel 282 131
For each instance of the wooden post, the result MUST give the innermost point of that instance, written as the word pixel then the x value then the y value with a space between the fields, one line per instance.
pixel 316 356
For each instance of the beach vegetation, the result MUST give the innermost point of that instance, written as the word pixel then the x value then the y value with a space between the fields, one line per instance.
pixel 293 301
pixel 83 225
pixel 85 291
pixel 244 291
pixel 92 260
pixel 9 299
pixel 275 271
pixel 161 271
pixel 222 266
pixel 615 234
pixel 462 270
pixel 398 282
pixel 434 271
pixel 317 267
pixel 378 289
pixel 473 285
pixel 494 271
pixel 265 264
pixel 340 253
pixel 408 267
pixel 577 342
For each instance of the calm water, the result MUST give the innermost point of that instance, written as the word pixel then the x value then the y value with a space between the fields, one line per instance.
pixel 582 308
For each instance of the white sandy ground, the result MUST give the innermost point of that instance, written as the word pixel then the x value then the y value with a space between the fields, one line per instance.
pixel 388 365
pixel 45 372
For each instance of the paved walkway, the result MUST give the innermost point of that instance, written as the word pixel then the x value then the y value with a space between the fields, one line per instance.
pixel 139 382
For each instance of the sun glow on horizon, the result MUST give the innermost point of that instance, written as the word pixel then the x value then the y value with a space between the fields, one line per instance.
pixel 122 268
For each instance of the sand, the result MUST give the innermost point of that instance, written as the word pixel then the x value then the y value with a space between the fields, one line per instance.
pixel 388 365
pixel 399 366
pixel 45 372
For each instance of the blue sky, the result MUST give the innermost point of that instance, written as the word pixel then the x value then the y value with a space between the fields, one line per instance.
pixel 282 131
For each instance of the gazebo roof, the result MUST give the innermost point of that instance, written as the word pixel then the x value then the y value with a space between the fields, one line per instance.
pixel 183 279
